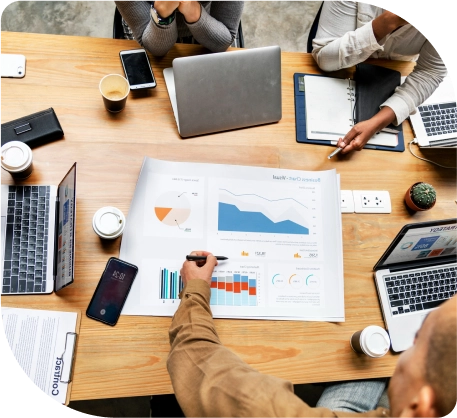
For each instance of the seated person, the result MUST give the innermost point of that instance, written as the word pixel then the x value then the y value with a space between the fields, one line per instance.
pixel 158 25
pixel 350 32
pixel 210 380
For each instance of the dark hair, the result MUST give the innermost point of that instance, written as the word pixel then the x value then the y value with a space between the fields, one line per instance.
pixel 441 364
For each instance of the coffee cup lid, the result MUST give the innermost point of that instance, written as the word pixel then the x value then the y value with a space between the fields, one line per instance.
pixel 16 156
pixel 108 222
pixel 375 341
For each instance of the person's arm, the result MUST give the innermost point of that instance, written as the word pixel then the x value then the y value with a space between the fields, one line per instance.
pixel 208 379
pixel 426 76
pixel 157 40
pixel 341 42
pixel 217 29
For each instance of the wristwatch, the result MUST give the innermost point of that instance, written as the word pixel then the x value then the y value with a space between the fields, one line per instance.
pixel 162 21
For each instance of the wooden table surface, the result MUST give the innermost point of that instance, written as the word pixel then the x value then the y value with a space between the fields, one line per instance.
pixel 129 359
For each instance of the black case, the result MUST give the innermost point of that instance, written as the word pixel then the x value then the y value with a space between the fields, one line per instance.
pixel 36 129
pixel 374 85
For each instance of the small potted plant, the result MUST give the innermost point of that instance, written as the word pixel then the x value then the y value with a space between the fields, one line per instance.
pixel 420 196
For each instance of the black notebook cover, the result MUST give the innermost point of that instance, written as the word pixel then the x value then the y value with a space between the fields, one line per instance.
pixel 374 85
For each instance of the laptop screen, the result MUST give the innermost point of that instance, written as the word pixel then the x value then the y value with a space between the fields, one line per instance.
pixel 421 243
pixel 65 247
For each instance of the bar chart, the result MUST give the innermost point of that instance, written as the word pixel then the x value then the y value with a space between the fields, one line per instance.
pixel 234 290
pixel 170 284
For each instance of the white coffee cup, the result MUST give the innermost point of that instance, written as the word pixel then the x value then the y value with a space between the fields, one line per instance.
pixel 108 222
pixel 17 159
pixel 372 341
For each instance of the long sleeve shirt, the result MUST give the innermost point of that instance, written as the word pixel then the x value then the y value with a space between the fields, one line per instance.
pixel 345 38
pixel 216 29
pixel 210 380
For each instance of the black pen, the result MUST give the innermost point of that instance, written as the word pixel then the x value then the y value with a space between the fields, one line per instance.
pixel 203 257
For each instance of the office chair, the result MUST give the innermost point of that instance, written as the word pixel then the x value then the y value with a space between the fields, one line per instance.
pixel 118 31
pixel 313 30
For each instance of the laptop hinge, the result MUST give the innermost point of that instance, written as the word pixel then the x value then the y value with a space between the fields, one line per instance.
pixel 56 238
pixel 424 264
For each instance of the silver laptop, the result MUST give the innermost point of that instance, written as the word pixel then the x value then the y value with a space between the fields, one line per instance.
pixel 38 236
pixel 227 90
pixel 415 275
pixel 435 121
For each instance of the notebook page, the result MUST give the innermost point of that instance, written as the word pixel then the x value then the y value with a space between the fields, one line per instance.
pixel 329 111
pixel 328 108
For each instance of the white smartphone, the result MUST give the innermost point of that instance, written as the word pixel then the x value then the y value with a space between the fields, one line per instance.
pixel 12 65
pixel 137 69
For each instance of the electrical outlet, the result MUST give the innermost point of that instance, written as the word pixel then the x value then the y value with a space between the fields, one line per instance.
pixel 347 201
pixel 372 201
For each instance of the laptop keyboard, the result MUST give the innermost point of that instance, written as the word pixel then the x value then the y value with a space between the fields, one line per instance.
pixel 420 290
pixel 26 240
pixel 440 118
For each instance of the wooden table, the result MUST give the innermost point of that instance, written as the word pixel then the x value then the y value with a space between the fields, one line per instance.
pixel 130 359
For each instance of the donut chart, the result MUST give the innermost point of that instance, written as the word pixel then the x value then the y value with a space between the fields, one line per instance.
pixel 172 208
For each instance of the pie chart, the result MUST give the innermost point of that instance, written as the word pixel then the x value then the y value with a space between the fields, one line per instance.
pixel 172 208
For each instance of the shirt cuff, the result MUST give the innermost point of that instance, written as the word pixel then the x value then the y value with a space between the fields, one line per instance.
pixel 400 108
pixel 368 39
pixel 196 286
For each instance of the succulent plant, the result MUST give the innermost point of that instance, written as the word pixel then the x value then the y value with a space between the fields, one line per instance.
pixel 423 195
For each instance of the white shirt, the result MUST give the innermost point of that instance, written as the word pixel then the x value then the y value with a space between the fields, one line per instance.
pixel 345 38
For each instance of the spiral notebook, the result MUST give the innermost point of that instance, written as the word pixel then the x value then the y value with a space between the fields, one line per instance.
pixel 330 110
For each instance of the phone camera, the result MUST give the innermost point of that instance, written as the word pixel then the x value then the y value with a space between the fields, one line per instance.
pixel 19 70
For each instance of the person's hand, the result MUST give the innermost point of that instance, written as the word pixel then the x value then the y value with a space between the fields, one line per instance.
pixel 386 23
pixel 361 132
pixel 199 269
pixel 165 8
pixel 191 10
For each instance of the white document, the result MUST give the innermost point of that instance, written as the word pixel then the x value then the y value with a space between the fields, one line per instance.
pixel 281 230
pixel 330 110
pixel 39 341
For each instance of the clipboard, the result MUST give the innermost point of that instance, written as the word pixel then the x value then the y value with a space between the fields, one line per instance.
pixel 68 354
pixel 300 119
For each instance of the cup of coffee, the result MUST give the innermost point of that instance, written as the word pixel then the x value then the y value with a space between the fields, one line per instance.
pixel 108 222
pixel 114 89
pixel 372 341
pixel 17 159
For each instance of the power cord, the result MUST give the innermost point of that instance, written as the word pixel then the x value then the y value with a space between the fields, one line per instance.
pixel 414 141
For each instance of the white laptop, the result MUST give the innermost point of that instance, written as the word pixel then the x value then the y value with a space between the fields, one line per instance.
pixel 415 275
pixel 435 121
pixel 228 90
pixel 38 236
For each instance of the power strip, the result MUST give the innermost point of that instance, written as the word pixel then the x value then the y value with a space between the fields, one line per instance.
pixel 365 201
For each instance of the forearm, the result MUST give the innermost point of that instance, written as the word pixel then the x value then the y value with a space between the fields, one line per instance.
pixel 419 85
pixel 157 40
pixel 217 30
pixel 210 380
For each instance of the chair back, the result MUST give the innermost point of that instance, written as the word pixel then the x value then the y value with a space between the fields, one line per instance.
pixel 313 30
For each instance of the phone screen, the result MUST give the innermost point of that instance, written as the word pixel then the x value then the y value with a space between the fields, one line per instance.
pixel 112 290
pixel 137 68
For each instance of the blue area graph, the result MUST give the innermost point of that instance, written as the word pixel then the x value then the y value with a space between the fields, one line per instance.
pixel 230 218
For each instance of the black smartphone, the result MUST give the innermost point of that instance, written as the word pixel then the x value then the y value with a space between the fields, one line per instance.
pixel 112 291
pixel 137 69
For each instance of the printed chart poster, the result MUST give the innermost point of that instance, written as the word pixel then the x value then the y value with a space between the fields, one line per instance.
pixel 280 229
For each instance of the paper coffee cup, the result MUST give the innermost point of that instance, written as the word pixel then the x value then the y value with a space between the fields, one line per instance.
pixel 114 89
pixel 108 222
pixel 17 159
pixel 372 341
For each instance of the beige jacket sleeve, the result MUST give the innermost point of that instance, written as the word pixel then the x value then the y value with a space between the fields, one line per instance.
pixel 210 380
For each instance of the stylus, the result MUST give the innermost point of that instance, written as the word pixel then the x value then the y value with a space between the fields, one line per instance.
pixel 202 257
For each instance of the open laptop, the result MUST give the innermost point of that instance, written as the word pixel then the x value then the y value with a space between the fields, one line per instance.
pixel 227 90
pixel 415 275
pixel 435 121
pixel 38 236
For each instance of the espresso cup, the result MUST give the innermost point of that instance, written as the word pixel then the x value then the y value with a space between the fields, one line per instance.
pixel 17 159
pixel 114 89
pixel 108 222
pixel 372 341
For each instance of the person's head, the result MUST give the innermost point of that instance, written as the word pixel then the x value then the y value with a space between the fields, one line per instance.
pixel 424 381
